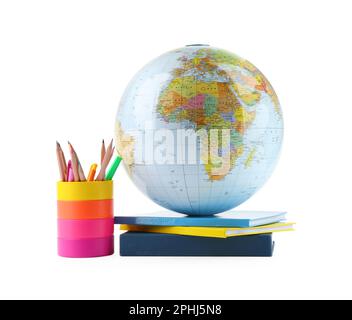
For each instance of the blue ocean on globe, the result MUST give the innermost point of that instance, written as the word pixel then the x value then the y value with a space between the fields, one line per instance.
pixel 199 129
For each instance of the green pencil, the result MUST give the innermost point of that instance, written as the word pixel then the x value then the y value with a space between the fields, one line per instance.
pixel 113 168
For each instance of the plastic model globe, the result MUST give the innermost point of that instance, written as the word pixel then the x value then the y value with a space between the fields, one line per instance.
pixel 199 129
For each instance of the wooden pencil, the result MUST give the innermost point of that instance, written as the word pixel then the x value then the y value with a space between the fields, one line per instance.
pixel 63 161
pixel 74 163
pixel 110 145
pixel 81 175
pixel 102 152
pixel 59 160
pixel 104 165
pixel 111 154
pixel 101 174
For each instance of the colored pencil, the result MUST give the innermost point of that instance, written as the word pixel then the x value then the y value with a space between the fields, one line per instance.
pixel 74 161
pixel 111 172
pixel 110 155
pixel 102 152
pixel 81 175
pixel 92 172
pixel 109 146
pixel 62 159
pixel 73 171
pixel 64 163
pixel 70 177
pixel 60 163
pixel 107 158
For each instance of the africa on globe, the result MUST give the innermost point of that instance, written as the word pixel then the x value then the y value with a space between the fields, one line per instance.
pixel 199 129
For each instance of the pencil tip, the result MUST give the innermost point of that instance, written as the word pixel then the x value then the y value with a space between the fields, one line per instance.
pixel 57 143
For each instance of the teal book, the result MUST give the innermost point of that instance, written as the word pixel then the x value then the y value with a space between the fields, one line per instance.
pixel 159 244
pixel 239 219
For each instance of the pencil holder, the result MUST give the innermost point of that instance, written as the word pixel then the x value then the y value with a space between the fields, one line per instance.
pixel 85 219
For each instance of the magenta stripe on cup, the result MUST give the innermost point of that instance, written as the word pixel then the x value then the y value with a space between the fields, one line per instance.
pixel 71 229
pixel 86 248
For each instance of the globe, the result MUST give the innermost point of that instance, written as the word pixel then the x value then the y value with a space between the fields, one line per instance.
pixel 199 129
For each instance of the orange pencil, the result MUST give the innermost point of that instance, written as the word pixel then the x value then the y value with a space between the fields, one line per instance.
pixel 92 170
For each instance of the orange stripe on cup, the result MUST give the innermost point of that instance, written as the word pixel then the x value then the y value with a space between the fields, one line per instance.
pixel 85 209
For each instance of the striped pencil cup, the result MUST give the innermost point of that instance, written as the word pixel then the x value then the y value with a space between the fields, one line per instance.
pixel 85 219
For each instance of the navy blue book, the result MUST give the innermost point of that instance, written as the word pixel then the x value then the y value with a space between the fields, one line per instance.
pixel 239 219
pixel 160 244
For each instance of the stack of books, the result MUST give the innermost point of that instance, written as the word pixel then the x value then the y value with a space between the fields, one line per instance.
pixel 234 233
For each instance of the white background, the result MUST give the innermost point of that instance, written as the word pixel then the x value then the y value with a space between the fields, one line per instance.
pixel 63 68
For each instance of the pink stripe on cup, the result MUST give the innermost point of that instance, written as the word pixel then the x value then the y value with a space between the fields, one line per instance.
pixel 86 248
pixel 70 229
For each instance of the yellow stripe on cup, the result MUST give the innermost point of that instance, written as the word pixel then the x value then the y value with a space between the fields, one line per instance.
pixel 88 190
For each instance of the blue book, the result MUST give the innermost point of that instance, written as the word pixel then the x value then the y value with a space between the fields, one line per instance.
pixel 159 244
pixel 239 219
